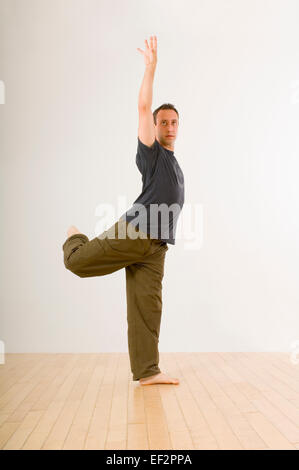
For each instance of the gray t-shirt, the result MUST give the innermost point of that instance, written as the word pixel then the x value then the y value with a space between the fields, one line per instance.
pixel 157 208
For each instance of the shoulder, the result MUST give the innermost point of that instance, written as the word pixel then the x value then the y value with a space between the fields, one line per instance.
pixel 147 148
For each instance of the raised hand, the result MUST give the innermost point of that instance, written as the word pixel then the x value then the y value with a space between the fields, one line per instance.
pixel 150 53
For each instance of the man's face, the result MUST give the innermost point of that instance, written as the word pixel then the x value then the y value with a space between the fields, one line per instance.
pixel 167 127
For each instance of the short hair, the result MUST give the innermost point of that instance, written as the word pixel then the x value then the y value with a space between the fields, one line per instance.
pixel 163 106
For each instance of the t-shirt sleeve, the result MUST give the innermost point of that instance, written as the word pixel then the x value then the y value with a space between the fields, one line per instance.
pixel 146 157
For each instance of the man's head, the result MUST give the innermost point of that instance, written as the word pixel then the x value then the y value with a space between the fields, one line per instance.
pixel 166 120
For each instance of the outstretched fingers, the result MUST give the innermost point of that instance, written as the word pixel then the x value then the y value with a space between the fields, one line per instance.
pixel 153 43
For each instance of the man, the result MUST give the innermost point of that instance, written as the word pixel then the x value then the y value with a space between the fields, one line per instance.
pixel 141 251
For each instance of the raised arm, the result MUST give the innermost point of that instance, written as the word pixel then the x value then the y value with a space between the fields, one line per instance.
pixel 146 129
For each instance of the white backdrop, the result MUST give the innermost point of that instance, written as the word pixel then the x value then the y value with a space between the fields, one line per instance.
pixel 68 141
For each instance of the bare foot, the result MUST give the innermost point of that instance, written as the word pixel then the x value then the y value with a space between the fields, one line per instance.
pixel 72 230
pixel 159 379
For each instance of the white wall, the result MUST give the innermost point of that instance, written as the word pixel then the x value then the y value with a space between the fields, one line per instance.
pixel 68 142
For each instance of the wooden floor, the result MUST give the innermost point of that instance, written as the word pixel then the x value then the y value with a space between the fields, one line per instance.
pixel 89 401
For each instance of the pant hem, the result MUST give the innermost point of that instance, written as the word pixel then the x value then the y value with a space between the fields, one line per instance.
pixel 147 374
pixel 76 235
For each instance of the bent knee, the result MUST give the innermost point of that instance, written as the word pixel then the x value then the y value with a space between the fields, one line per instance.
pixel 72 263
pixel 74 270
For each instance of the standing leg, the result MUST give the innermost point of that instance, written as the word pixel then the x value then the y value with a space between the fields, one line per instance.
pixel 144 309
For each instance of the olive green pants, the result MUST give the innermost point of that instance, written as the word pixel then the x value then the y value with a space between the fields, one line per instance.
pixel 143 259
